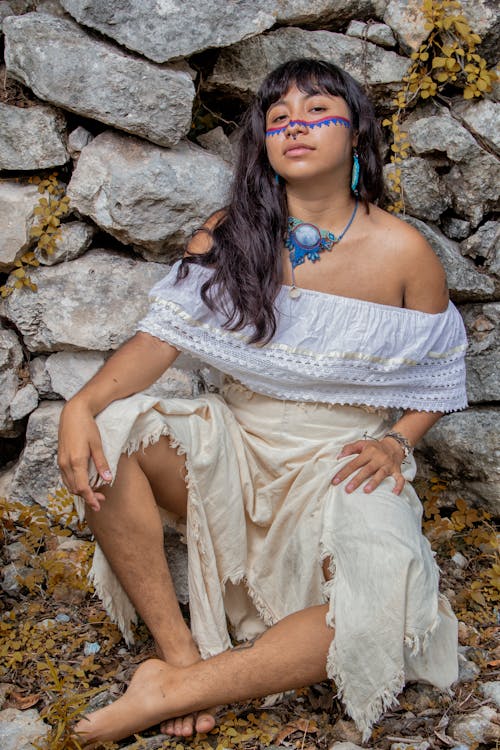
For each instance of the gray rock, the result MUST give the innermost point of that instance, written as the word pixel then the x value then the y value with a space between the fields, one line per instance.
pixel 69 371
pixel 11 357
pixel 31 137
pixel 455 229
pixel 406 19
pixel 483 118
pixel 17 203
pixel 89 303
pixel 16 551
pixel 332 12
pixel 378 33
pixel 345 746
pixel 467 446
pixel 173 28
pixel 481 726
pixel 52 7
pixel 491 691
pixel 176 553
pixel 36 474
pixel 217 142
pixel 150 197
pixel 466 283
pixel 424 745
pixel 441 133
pixel 5 11
pixel 484 245
pixel 20 730
pixel 48 55
pixel 41 378
pixel 484 20
pixel 468 671
pixel 77 140
pixel 240 69
pixel 76 237
pixel 10 583
pixel 483 355
pixel 474 185
pixel 424 194
pixel 24 402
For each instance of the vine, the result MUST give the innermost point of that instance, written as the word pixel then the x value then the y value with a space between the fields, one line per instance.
pixel 52 206
pixel 448 57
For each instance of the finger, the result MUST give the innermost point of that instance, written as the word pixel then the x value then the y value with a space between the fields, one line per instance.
pixel 349 468
pixel 350 448
pixel 377 478
pixel 373 473
pixel 83 488
pixel 100 461
pixel 400 483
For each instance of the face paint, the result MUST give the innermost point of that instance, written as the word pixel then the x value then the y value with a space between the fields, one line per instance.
pixel 310 124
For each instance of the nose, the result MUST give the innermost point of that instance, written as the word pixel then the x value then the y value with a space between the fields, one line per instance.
pixel 295 127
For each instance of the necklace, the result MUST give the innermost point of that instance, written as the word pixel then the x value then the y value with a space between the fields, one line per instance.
pixel 305 240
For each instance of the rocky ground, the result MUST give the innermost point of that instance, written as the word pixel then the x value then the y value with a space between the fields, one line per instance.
pixel 61 655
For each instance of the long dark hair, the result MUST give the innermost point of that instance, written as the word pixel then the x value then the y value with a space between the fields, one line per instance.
pixel 247 240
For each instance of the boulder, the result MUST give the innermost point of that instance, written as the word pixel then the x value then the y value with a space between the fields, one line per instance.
pixel 77 140
pixel 69 371
pixel 89 303
pixel 49 54
pixel 474 185
pixel 483 355
pixel 31 137
pixel 407 20
pixel 11 357
pixel 378 33
pixel 240 69
pixel 484 20
pixel 467 446
pixel 24 402
pixel 455 229
pixel 17 204
pixel 483 118
pixel 76 237
pixel 330 13
pixel 424 195
pixel 41 378
pixel 218 143
pixel 21 730
pixel 149 197
pixel 441 133
pixel 465 282
pixel 36 474
pixel 484 248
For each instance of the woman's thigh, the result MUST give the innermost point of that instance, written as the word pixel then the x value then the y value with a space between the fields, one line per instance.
pixel 166 472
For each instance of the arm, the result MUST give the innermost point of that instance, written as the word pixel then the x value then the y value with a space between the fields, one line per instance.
pixel 424 285
pixel 132 368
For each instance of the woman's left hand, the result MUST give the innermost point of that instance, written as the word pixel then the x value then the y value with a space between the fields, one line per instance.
pixel 375 461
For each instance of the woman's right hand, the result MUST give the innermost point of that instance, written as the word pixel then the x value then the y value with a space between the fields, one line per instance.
pixel 80 440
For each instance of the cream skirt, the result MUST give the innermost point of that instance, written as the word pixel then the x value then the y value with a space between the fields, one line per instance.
pixel 263 516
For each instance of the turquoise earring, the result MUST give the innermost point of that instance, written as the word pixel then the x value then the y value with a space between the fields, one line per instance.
pixel 276 178
pixel 355 172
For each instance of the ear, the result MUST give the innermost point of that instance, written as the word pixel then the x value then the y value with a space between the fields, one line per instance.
pixel 355 139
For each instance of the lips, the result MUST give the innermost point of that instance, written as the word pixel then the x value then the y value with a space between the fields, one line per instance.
pixel 298 147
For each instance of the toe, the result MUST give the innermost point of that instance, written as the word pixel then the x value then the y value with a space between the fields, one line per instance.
pixel 178 727
pixel 204 723
pixel 187 725
pixel 167 727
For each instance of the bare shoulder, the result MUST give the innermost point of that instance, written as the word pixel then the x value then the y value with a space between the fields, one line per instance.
pixel 422 275
pixel 201 241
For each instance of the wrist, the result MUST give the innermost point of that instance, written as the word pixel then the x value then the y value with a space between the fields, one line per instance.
pixel 401 441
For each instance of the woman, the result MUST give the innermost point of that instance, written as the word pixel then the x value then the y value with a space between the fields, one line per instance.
pixel 303 533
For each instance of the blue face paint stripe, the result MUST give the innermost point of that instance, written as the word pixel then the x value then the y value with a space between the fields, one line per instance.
pixel 312 124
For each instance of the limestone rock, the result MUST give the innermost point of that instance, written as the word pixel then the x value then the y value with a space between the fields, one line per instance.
pixel 76 237
pixel 10 583
pixel 217 142
pixel 173 28
pixel 240 69
pixel 52 7
pixel 31 137
pixel 150 197
pixel 69 371
pixel 17 203
pixel 378 33
pixel 491 691
pixel 483 355
pixel 466 283
pixel 36 474
pixel 77 140
pixel 19 730
pixel 455 229
pixel 89 303
pixel 48 54
pixel 474 185
pixel 11 357
pixel 484 19
pixel 468 671
pixel 24 402
pixel 481 726
pixel 5 10
pixel 424 194
pixel 333 13
pixel 406 19
pixel 441 133
pixel 483 118
pixel 41 378
pixel 484 247
pixel 345 746
pixel 467 445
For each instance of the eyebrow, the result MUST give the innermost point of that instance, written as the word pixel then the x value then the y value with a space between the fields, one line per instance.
pixel 305 97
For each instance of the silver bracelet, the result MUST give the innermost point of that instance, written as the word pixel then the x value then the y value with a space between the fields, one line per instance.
pixel 403 442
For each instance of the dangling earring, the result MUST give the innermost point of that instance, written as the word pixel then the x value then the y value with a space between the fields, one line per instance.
pixel 355 172
pixel 276 178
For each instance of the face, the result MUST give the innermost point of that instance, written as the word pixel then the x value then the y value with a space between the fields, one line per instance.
pixel 309 136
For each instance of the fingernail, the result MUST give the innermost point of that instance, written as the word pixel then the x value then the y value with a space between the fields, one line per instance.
pixel 341 455
pixel 335 480
pixel 350 487
pixel 107 475
pixel 368 488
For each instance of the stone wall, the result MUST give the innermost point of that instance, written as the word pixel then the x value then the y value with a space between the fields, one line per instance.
pixel 120 99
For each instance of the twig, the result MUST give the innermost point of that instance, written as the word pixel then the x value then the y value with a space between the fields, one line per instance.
pixel 305 735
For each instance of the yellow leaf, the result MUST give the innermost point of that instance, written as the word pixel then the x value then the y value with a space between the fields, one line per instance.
pixel 439 62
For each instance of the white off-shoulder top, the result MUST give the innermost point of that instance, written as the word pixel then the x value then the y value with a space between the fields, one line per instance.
pixel 327 348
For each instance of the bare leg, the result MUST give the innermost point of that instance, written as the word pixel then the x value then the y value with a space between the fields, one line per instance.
pixel 289 655
pixel 129 530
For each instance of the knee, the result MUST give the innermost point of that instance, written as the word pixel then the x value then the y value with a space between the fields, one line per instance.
pixel 327 565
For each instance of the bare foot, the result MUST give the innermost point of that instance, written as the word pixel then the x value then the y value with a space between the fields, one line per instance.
pixel 149 698
pixel 186 726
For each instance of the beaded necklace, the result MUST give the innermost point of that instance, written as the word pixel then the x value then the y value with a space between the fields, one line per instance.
pixel 305 240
